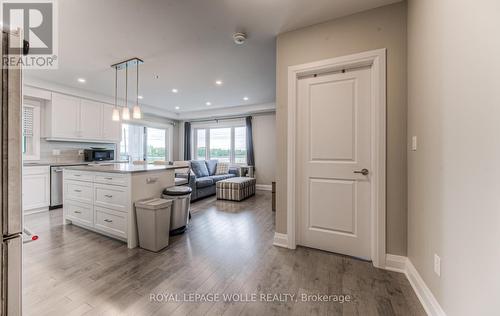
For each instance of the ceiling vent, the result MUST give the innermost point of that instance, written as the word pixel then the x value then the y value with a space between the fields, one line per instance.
pixel 239 38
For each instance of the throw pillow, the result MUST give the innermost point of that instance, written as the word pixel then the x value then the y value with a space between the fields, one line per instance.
pixel 199 168
pixel 222 168
pixel 211 166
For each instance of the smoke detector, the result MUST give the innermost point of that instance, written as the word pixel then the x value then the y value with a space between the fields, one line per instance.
pixel 239 38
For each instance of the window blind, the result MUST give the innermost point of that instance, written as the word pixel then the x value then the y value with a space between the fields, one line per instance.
pixel 28 113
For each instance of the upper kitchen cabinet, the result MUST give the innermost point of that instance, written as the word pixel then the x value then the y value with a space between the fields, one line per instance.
pixel 91 124
pixel 63 116
pixel 74 119
pixel 110 129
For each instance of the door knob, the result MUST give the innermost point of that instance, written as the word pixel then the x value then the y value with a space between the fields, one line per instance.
pixel 364 171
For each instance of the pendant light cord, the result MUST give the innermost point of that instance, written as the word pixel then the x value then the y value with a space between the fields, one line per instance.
pixel 126 85
pixel 137 87
pixel 116 87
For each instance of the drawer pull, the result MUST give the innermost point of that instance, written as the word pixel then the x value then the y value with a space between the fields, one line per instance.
pixel 77 175
pixel 108 195
pixel 108 221
pixel 108 178
pixel 77 212
pixel 78 191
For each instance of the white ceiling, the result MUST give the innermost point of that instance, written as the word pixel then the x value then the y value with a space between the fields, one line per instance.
pixel 186 43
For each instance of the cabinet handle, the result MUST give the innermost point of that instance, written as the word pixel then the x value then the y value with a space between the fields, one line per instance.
pixel 78 212
pixel 108 221
pixel 108 178
pixel 78 191
pixel 108 195
pixel 77 175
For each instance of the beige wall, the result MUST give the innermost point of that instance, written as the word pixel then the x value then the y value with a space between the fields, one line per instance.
pixel 454 187
pixel 264 139
pixel 384 27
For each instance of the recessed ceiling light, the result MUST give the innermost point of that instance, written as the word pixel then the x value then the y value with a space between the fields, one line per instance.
pixel 245 98
pixel 208 103
pixel 218 82
pixel 140 97
pixel 175 90
pixel 177 107
pixel 81 80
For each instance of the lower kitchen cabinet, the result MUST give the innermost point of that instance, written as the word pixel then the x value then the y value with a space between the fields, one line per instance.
pixel 36 188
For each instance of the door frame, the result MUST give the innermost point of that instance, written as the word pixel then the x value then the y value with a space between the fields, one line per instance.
pixel 376 59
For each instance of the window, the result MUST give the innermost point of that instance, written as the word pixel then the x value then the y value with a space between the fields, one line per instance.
pixel 224 143
pixel 220 144
pixel 31 132
pixel 144 143
pixel 201 146
pixel 240 145
pixel 156 144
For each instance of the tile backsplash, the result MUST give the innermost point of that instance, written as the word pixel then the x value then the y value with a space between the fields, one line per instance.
pixel 68 151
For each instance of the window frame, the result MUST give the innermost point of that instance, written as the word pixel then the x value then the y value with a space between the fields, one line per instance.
pixel 207 128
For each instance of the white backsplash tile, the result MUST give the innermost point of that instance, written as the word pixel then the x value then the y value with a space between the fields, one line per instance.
pixel 68 151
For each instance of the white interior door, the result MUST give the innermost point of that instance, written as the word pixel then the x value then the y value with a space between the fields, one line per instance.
pixel 333 146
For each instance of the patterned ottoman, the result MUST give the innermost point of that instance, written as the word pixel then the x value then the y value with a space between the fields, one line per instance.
pixel 235 189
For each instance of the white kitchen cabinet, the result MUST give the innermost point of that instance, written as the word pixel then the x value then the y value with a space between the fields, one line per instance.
pixel 36 188
pixel 111 130
pixel 90 120
pixel 70 118
pixel 104 201
pixel 64 116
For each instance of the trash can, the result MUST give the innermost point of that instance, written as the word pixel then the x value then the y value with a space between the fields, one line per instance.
pixel 181 200
pixel 153 222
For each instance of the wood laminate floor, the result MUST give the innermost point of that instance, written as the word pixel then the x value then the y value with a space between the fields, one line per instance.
pixel 228 249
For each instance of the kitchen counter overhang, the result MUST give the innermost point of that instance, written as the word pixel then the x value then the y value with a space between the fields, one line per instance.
pixel 123 168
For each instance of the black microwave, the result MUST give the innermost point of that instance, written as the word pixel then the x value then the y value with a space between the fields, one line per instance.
pixel 99 154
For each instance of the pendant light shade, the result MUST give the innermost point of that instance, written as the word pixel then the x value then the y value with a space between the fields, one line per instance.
pixel 116 114
pixel 136 112
pixel 126 113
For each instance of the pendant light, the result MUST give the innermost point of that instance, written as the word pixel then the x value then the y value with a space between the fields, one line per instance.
pixel 136 113
pixel 116 112
pixel 126 110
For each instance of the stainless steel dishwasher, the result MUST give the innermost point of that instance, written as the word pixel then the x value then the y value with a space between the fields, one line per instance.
pixel 56 184
pixel 56 187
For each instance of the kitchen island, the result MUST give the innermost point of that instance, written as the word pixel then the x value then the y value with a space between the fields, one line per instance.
pixel 101 197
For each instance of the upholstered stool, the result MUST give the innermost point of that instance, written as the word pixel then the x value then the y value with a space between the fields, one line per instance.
pixel 235 189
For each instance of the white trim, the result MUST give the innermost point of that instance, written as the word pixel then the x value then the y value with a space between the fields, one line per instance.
pixel 214 112
pixel 377 60
pixel 403 265
pixel 280 240
pixel 395 263
pixel 264 187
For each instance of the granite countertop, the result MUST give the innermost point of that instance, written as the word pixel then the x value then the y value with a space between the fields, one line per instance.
pixel 123 168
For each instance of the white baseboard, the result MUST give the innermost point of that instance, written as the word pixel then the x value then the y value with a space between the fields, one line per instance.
pixel 395 263
pixel 280 240
pixel 403 265
pixel 263 187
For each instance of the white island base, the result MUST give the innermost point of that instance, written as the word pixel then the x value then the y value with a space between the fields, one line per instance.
pixel 102 199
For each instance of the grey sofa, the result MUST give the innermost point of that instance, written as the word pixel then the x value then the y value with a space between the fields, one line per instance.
pixel 202 178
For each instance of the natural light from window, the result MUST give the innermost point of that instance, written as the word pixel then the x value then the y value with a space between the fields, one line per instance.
pixel 226 144
pixel 143 143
